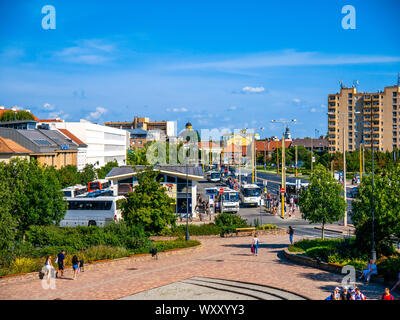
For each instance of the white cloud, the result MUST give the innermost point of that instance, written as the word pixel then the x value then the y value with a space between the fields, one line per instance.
pixel 87 52
pixel 248 89
pixel 284 58
pixel 96 114
pixel 232 108
pixel 48 107
pixel 314 110
pixel 183 109
pixel 296 100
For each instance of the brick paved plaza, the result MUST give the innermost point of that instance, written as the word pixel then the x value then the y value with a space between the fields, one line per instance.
pixel 219 258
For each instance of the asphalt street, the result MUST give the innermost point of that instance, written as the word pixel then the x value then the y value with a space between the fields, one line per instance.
pixel 301 226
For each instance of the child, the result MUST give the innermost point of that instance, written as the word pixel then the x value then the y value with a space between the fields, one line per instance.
pixel 81 265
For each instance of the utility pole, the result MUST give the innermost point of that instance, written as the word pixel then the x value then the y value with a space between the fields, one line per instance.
pixel 295 148
pixel 283 162
pixel 344 172
pixel 373 252
pixel 361 169
pixel 311 155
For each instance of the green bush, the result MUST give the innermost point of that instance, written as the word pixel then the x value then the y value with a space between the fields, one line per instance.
pixel 195 230
pixel 293 248
pixel 389 267
pixel 228 222
pixel 178 243
pixel 320 253
pixel 267 227
pixel 308 243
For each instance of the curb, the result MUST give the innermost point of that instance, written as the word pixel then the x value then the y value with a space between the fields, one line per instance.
pixel 93 264
pixel 326 266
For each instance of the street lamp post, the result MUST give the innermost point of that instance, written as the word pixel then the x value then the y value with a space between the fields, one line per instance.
pixel 373 252
pixel 283 170
pixel 344 163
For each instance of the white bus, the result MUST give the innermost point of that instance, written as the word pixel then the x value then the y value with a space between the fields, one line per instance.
pixel 74 191
pixel 230 200
pixel 250 195
pixel 213 176
pixel 98 211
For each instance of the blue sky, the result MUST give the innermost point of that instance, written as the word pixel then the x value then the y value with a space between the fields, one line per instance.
pixel 219 64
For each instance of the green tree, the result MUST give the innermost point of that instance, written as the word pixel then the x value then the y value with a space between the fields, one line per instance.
pixel 69 176
pixel 18 115
pixel 322 201
pixel 36 196
pixel 87 174
pixel 149 205
pixel 136 157
pixel 386 210
pixel 102 172
pixel 7 222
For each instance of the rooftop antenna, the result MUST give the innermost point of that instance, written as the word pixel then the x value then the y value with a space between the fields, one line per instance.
pixel 341 84
pixel 398 79
pixel 355 84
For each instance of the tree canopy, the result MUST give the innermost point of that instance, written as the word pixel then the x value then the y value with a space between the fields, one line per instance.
pixel 322 202
pixel 386 210
pixel 10 115
pixel 33 192
pixel 149 205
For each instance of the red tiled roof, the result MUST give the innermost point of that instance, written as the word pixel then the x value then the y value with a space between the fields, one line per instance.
pixel 10 146
pixel 50 120
pixel 269 146
pixel 72 137
pixel 206 144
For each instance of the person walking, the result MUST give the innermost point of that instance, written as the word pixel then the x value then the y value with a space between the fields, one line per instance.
pixel 345 295
pixel 387 295
pixel 48 266
pixel 291 233
pixel 255 244
pixel 60 263
pixel 358 295
pixel 75 266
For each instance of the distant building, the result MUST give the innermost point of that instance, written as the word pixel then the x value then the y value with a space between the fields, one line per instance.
pixel 49 147
pixel 371 118
pixel 172 177
pixel 267 147
pixel 320 144
pixel 144 123
pixel 104 144
pixel 82 148
pixel 9 150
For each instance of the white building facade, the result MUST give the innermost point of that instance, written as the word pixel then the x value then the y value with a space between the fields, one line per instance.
pixel 104 144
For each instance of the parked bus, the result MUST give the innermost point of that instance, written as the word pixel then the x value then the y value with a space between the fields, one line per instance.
pixel 250 195
pixel 98 185
pixel 214 176
pixel 86 211
pixel 74 191
pixel 230 200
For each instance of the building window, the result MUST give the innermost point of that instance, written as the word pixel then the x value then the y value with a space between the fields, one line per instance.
pixel 394 100
pixel 394 107
pixel 394 94
pixel 350 95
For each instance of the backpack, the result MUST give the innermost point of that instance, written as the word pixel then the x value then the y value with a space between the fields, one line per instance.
pixel 41 275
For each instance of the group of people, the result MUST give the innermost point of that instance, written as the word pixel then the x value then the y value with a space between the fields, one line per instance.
pixel 347 294
pixel 77 265
pixel 355 294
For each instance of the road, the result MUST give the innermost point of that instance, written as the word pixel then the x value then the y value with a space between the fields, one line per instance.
pixel 301 226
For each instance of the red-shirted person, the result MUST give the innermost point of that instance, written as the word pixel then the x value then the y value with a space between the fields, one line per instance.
pixel 387 295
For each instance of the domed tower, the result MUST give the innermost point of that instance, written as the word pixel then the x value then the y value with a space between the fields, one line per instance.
pixel 288 136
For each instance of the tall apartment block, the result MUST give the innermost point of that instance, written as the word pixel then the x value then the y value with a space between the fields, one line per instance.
pixel 367 119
